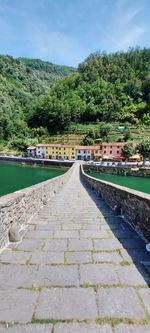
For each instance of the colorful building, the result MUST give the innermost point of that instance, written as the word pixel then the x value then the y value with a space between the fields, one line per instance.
pixel 31 151
pixel 112 149
pixel 40 150
pixel 88 153
pixel 58 151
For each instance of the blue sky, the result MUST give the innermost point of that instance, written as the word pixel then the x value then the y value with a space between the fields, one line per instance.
pixel 67 31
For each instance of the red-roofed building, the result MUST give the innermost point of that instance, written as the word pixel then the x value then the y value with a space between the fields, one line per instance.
pixel 112 148
pixel 88 153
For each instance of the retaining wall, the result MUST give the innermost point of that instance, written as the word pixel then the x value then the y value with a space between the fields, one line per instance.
pixel 121 170
pixel 20 206
pixel 41 162
pixel 133 205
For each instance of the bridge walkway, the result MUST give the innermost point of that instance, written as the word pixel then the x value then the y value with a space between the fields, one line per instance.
pixel 78 269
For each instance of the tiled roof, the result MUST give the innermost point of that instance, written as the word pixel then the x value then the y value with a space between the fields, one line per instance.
pixel 32 147
pixel 54 145
pixel 108 144
pixel 88 147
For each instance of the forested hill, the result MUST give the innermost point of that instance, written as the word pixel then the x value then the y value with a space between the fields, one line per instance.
pixel 108 88
pixel 21 81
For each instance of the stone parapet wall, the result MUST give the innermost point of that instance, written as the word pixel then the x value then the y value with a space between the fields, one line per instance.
pixel 134 205
pixel 20 206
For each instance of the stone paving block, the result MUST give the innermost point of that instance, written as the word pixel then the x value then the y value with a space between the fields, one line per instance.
pixel 55 245
pixel 107 244
pixel 67 303
pixel 119 303
pixel 98 274
pixel 130 275
pixel 39 234
pixel 57 276
pixel 49 227
pixel 78 257
pixel 82 328
pixel 107 256
pixel 29 328
pixel 39 221
pixel 30 245
pixel 14 257
pixel 89 226
pixel 40 257
pixel 80 244
pixel 145 294
pixel 17 305
pixel 66 234
pixel 71 226
pixel 94 234
pixel 17 275
pixel 123 328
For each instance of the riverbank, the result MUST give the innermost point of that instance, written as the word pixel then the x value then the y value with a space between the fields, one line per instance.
pixel 36 161
pixel 120 171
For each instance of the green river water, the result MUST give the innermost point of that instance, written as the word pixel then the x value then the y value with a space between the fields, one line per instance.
pixel 136 183
pixel 14 177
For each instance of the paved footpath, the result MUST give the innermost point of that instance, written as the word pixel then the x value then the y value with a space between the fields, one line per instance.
pixel 78 269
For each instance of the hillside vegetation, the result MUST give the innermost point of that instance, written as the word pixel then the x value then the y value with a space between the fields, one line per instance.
pixel 21 82
pixel 106 88
pixel 88 103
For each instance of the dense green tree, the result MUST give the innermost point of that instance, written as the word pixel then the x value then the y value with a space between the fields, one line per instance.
pixel 144 148
pixel 128 149
pixel 105 88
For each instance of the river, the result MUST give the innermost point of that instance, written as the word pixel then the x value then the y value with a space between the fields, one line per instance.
pixel 14 177
pixel 137 183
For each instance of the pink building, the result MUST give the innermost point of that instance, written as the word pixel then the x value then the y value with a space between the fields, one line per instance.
pixel 112 149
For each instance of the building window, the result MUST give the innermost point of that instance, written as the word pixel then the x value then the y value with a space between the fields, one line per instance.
pixel 104 151
pixel 110 147
pixel 118 152
pixel 104 147
pixel 110 151
pixel 118 147
pixel 79 151
pixel 96 151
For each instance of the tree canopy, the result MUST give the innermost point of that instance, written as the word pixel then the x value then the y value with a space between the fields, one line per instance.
pixel 113 87
pixel 105 88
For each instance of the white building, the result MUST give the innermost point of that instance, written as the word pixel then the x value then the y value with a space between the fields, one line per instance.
pixel 40 150
pixel 88 153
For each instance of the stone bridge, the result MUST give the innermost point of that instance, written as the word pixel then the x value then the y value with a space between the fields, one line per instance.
pixel 78 269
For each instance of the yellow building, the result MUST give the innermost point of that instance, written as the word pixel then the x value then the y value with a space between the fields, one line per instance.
pixel 57 151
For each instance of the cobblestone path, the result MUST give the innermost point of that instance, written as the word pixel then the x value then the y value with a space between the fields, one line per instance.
pixel 78 269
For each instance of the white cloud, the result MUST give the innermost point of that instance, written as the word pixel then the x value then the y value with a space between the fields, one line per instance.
pixel 56 45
